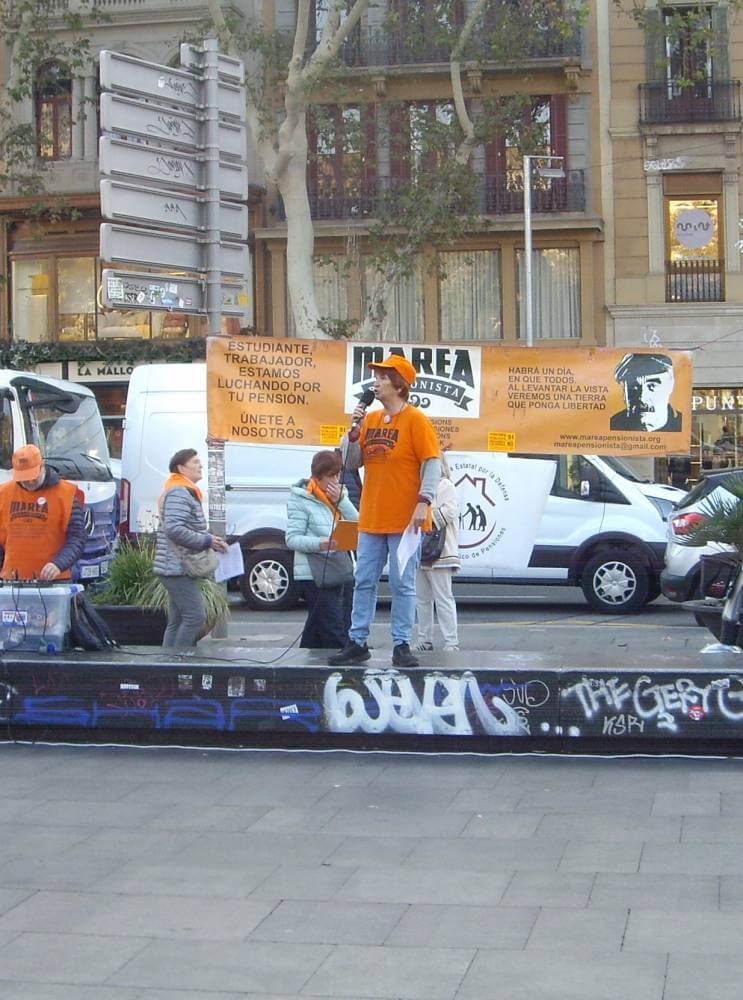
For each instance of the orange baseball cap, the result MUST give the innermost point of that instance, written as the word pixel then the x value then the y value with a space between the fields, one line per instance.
pixel 27 462
pixel 401 365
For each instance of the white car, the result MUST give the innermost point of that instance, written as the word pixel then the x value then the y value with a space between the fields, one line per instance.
pixel 679 579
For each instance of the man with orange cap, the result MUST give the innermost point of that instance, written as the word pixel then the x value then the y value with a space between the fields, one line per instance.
pixel 399 449
pixel 42 528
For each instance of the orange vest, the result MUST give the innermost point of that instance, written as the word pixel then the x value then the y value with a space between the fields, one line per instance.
pixel 33 527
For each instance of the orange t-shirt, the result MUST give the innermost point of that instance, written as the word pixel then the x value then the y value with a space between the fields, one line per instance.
pixel 33 527
pixel 393 455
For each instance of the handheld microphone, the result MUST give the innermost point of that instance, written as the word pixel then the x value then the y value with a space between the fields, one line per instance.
pixel 367 398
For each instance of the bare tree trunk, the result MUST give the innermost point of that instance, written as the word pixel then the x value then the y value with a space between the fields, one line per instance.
pixel 300 238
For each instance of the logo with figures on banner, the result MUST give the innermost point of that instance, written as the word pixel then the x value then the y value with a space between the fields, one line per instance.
pixel 449 378
pixel 483 497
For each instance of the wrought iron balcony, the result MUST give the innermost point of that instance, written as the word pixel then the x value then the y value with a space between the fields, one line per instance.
pixel 378 47
pixel 696 280
pixel 504 195
pixel 495 196
pixel 670 102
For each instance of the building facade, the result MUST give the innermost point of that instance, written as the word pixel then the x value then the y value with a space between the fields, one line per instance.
pixel 673 207
pixel 50 304
pixel 477 291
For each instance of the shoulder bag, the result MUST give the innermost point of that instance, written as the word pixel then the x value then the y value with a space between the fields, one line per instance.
pixel 432 544
pixel 198 565
pixel 330 569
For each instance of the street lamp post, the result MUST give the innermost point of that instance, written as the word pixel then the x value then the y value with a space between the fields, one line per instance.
pixel 545 171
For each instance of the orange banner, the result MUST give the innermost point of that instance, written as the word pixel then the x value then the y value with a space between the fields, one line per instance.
pixel 609 401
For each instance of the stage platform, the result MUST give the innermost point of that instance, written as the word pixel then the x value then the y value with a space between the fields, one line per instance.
pixel 486 700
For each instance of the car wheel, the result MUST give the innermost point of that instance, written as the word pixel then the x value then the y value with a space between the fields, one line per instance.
pixel 615 582
pixel 268 582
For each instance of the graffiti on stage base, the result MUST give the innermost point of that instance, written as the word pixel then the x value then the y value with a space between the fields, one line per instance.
pixel 445 704
pixel 632 704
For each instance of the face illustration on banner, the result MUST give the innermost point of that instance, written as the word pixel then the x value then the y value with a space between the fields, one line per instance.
pixel 647 381
pixel 449 378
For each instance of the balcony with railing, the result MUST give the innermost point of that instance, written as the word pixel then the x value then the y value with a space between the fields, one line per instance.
pixel 670 102
pixel 697 280
pixel 377 47
pixel 494 196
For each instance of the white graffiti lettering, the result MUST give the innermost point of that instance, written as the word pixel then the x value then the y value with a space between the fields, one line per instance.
pixel 663 704
pixel 442 708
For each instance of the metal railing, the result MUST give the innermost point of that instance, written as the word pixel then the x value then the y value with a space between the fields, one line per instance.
pixel 380 47
pixel 495 196
pixel 505 196
pixel 695 281
pixel 701 101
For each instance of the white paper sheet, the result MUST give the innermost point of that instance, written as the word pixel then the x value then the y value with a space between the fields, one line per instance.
pixel 409 542
pixel 230 563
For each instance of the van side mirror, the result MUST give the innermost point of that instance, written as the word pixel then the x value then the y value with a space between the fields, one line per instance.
pixel 585 489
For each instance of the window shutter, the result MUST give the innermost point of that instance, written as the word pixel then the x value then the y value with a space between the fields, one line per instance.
pixel 720 56
pixel 399 138
pixel 559 125
pixel 655 55
pixel 369 120
pixel 311 151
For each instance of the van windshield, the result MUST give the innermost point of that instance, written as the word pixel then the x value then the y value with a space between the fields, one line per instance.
pixel 624 469
pixel 69 431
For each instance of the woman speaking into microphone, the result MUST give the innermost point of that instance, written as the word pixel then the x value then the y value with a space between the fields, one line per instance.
pixel 399 450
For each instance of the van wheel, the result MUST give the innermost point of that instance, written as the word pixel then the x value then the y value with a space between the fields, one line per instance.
pixel 615 582
pixel 268 583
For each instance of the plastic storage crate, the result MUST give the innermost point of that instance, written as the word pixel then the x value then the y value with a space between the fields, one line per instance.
pixel 36 619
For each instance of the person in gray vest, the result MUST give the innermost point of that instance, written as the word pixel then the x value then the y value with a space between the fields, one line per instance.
pixel 182 526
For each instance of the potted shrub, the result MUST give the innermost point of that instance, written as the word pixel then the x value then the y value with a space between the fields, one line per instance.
pixel 723 524
pixel 135 604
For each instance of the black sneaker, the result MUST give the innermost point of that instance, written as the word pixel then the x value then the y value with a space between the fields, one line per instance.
pixel 402 657
pixel 352 652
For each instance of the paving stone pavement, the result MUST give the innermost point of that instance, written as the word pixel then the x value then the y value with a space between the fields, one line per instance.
pixel 163 874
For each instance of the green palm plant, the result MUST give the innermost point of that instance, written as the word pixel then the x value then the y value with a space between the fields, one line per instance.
pixel 724 517
pixel 131 581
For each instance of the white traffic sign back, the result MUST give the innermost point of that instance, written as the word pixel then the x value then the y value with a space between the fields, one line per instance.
pixel 171 168
pixel 126 75
pixel 167 293
pixel 192 57
pixel 154 248
pixel 166 125
pixel 135 203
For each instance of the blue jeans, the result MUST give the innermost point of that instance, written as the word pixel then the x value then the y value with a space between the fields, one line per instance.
pixel 371 555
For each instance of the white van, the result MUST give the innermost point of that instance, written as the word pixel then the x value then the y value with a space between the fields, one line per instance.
pixel 63 420
pixel 603 528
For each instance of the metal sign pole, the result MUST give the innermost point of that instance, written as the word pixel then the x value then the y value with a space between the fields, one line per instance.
pixel 217 514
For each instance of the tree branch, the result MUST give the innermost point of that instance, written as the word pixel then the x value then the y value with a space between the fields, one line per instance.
pixel 464 151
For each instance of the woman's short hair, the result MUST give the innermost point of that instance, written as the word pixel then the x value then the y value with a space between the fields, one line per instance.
pixel 325 463
pixel 181 457
pixel 403 389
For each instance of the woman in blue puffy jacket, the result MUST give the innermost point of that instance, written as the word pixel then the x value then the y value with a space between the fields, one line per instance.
pixel 314 507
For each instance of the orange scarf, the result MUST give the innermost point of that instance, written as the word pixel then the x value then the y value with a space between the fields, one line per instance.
pixel 322 496
pixel 176 479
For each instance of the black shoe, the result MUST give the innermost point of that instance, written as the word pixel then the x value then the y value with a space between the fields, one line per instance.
pixel 352 652
pixel 402 657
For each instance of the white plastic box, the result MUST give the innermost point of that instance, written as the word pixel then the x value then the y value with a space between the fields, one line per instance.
pixel 35 619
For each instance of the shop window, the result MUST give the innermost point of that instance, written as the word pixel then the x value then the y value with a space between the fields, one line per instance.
pixel 331 277
pixel 53 95
pixel 31 290
pixel 404 320
pixel 55 298
pixel 111 401
pixel 695 265
pixel 76 284
pixel 470 296
pixel 556 294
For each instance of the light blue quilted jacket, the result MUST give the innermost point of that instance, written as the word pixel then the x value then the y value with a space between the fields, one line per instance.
pixel 309 522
